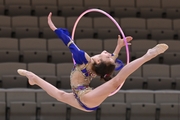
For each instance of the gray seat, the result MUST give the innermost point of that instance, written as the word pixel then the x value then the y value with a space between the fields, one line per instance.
pixel 162 34
pixel 17 2
pixel 63 74
pixel 70 3
pixel 33 49
pixel 172 4
pixel 44 10
pixel 137 33
pixel 175 75
pixel 2 104
pixel 6 32
pixel 93 3
pixel 171 58
pixel 77 114
pixel 9 50
pixel 159 23
pixel 46 71
pixel 141 111
pixel 139 96
pixel 44 2
pixel 119 97
pixel 104 22
pixel 125 11
pixel 176 25
pixel 172 13
pixel 82 24
pixel 122 3
pixel 107 33
pixel 150 12
pixel 148 3
pixel 112 111
pixel 166 96
pixel 169 111
pixel 26 32
pixel 133 23
pixel 15 10
pixel 173 45
pixel 21 104
pixel 72 10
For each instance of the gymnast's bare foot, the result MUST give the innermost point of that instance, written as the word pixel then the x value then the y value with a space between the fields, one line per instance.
pixel 28 74
pixel 158 49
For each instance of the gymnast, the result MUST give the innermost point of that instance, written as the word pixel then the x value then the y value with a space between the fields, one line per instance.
pixel 83 97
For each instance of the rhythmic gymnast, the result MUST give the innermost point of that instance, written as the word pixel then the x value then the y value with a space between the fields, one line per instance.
pixel 83 97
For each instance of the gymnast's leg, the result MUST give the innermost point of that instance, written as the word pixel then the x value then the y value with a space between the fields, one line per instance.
pixel 99 94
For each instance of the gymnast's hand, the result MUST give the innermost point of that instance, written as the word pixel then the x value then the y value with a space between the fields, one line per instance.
pixel 50 23
pixel 121 42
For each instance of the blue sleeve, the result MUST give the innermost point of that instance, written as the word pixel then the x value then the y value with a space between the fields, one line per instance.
pixel 78 55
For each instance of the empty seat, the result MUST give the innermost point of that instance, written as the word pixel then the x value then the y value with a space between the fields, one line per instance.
pixel 96 82
pixel 157 76
pixel 169 111
pixel 21 21
pixel 2 9
pixel 10 68
pixel 47 71
pixel 156 70
pixel 133 83
pixel 77 114
pixel 166 96
pixel 162 34
pixel 72 10
pixel 175 75
pixel 19 10
pixel 140 111
pixel 151 12
pixel 91 46
pixel 9 50
pixel 137 33
pixel 125 12
pixel 176 24
pixel 172 13
pixel 139 96
pixel 17 2
pixel 5 21
pixel 159 23
pixel 113 111
pixel 6 32
pixel 20 95
pixel 44 10
pixel 93 3
pixel 133 23
pixel 104 22
pixel 105 33
pixel 119 97
pixel 44 2
pixel 122 3
pixel 52 110
pixel 148 3
pixel 47 33
pixel 58 51
pixel 70 3
pixel 97 14
pixel 171 58
pixel 33 49
pixel 84 33
pixel 2 104
pixel 26 32
pixel 172 4
pixel 82 23
pixel 63 74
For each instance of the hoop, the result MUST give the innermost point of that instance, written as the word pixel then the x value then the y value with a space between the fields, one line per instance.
pixel 117 25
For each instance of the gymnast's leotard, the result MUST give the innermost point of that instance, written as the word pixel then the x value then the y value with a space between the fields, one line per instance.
pixel 79 58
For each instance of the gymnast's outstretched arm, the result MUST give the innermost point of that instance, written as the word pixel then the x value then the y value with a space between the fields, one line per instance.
pixel 120 44
pixel 79 56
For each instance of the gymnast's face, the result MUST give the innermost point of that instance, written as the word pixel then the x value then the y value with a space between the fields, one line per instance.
pixel 106 56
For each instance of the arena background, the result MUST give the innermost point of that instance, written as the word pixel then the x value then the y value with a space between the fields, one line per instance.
pixel 150 93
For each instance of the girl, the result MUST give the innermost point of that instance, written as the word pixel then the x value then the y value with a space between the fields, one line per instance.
pixel 86 68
